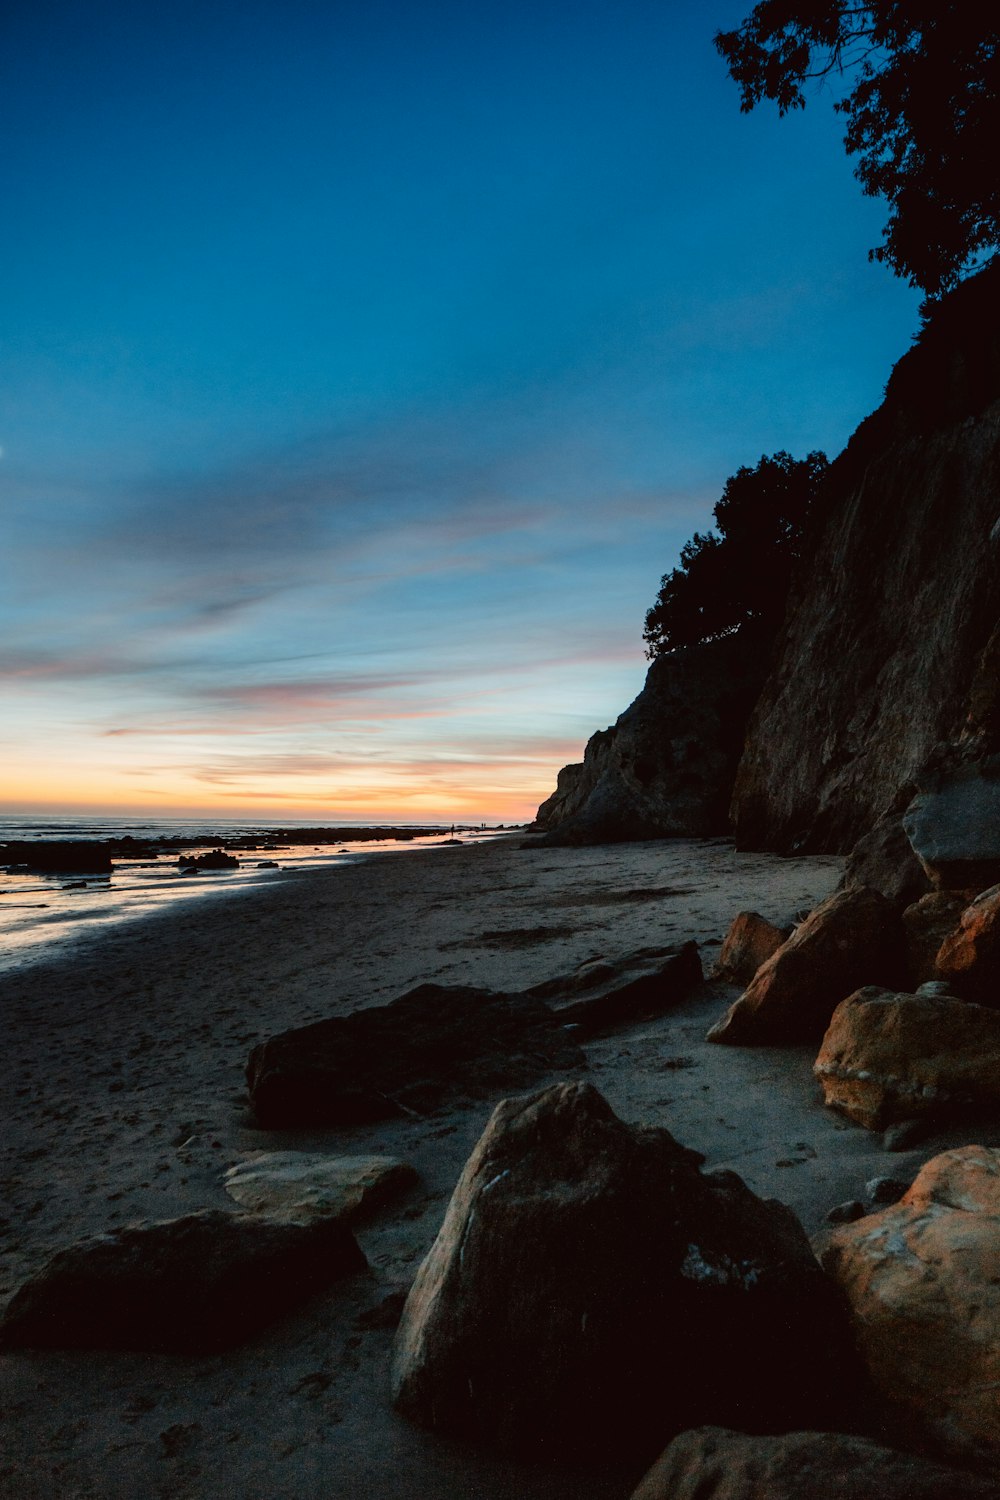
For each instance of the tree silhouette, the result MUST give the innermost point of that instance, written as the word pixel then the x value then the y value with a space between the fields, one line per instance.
pixel 922 103
pixel 741 576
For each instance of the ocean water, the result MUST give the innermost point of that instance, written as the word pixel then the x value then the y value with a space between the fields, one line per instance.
pixel 40 914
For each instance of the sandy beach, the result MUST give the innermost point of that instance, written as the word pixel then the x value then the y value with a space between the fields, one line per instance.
pixel 124 1099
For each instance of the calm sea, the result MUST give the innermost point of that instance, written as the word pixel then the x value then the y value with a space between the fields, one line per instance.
pixel 40 913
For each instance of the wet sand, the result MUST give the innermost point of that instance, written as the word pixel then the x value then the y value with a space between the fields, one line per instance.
pixel 123 1097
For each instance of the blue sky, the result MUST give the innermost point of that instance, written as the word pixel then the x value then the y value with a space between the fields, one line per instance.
pixel 364 366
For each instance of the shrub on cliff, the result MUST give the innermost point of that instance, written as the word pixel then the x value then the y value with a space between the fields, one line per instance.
pixel 740 576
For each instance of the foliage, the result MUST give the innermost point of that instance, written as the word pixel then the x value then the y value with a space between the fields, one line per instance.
pixel 921 82
pixel 740 576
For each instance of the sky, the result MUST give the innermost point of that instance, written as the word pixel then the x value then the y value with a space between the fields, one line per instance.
pixel 365 365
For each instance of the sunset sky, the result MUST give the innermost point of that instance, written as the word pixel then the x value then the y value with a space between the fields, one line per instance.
pixel 362 368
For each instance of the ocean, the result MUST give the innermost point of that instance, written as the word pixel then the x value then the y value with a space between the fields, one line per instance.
pixel 40 913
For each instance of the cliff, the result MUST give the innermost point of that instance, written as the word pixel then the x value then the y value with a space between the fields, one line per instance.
pixel 886 665
pixel 666 767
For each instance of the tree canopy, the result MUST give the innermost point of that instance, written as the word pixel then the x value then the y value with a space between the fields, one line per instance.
pixel 921 96
pixel 740 576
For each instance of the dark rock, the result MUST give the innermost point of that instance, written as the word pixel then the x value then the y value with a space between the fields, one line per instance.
pixel 434 1042
pixel 884 1190
pixel 216 859
pixel 192 1285
pixel 969 957
pixel 268 864
pixel 954 827
pixel 750 942
pixel 627 992
pixel 576 1254
pixel 58 856
pixel 666 767
pixel 846 1213
pixel 884 860
pixel 712 1464
pixel 852 938
pixel 926 924
pixel 888 1056
pixel 904 1135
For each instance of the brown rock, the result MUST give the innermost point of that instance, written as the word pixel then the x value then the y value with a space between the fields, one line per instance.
pixel 750 942
pixel 852 938
pixel 969 957
pixel 884 860
pixel 576 1254
pixel 297 1186
pixel 888 1056
pixel 192 1285
pixel 926 924
pixel 713 1464
pixel 923 1282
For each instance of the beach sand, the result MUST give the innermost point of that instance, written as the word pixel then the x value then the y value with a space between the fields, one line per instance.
pixel 115 1057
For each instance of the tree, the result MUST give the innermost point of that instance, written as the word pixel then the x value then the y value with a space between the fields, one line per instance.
pixel 741 576
pixel 921 82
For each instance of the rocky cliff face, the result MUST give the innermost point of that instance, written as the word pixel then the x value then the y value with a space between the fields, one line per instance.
pixel 888 659
pixel 666 767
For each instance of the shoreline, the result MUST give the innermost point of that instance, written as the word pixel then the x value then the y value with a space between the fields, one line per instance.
pixel 125 1099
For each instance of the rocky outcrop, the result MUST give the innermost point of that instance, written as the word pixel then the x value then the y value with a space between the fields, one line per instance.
pixel 713 1464
pixel 852 938
pixel 890 647
pixel 591 1293
pixel 889 1056
pixel 922 1282
pixel 666 767
pixel 184 1286
pixel 58 856
pixel 954 827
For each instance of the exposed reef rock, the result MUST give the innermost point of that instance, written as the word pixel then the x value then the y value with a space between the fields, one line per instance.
pixel 666 767
pixel 889 652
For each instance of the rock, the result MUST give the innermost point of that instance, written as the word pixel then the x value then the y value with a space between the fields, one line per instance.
pixel 969 957
pixel 923 1282
pixel 889 1056
pixel 591 1292
pixel 436 1041
pixel 892 608
pixel 297 1186
pixel 954 827
pixel 216 859
pixel 884 859
pixel 58 856
pixel 268 864
pixel 192 1285
pixel 926 924
pixel 885 1189
pixel 904 1135
pixel 666 767
pixel 852 938
pixel 627 992
pixel 712 1464
pixel 846 1213
pixel 750 942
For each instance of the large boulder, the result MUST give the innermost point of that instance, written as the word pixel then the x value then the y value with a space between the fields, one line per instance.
pixel 888 1056
pixel 591 1293
pixel 926 924
pixel 434 1042
pixel 883 859
pixel 852 938
pixel 192 1285
pixel 666 767
pixel 969 956
pixel 301 1185
pixel 954 827
pixel 713 1464
pixel 923 1282
pixel 750 942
